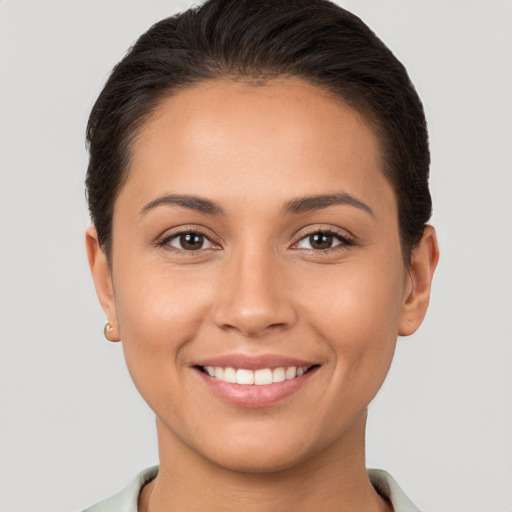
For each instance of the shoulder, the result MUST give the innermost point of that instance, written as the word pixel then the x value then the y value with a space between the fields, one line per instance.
pixel 387 487
pixel 126 500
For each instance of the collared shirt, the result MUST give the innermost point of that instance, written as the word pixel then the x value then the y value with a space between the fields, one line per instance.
pixel 126 500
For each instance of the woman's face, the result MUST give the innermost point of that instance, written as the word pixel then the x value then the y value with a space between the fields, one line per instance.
pixel 255 234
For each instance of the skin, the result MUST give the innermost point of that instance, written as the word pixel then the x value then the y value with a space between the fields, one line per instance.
pixel 260 287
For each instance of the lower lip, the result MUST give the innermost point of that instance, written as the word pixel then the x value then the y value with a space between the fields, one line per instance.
pixel 255 396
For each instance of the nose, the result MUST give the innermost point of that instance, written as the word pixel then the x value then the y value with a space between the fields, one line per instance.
pixel 253 298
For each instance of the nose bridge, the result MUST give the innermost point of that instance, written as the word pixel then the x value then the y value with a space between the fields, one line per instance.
pixel 253 297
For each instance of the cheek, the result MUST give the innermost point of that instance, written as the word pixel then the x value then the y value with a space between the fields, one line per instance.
pixel 158 302
pixel 159 313
pixel 355 310
pixel 358 296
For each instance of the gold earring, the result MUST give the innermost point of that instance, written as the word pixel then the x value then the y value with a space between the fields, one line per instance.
pixel 107 330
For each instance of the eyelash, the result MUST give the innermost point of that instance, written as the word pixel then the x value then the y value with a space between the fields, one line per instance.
pixel 165 242
pixel 345 241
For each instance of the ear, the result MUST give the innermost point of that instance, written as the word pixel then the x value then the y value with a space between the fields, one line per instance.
pixel 424 260
pixel 102 277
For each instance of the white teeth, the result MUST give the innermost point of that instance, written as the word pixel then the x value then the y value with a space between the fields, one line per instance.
pixel 261 377
pixel 291 372
pixel 229 375
pixel 278 375
pixel 244 376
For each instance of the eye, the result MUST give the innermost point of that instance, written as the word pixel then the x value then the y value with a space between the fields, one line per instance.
pixel 322 241
pixel 189 241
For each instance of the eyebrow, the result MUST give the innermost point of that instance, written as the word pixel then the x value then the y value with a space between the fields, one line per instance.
pixel 191 202
pixel 295 206
pixel 317 202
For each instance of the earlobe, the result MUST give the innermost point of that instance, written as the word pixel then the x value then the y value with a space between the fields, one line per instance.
pixel 102 277
pixel 424 260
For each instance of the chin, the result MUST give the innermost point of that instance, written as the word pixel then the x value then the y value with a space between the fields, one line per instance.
pixel 263 448
pixel 257 459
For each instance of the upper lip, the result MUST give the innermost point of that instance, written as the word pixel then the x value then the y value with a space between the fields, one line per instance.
pixel 254 362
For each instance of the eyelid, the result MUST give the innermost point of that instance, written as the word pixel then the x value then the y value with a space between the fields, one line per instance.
pixel 346 238
pixel 168 235
pixel 178 236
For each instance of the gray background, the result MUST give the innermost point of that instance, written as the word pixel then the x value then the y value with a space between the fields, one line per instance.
pixel 74 430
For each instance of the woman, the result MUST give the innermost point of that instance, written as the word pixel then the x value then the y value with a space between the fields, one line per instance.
pixel 258 185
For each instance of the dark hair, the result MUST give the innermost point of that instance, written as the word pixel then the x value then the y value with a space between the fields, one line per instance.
pixel 314 40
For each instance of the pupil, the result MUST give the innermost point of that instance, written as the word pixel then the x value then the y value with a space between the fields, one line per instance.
pixel 320 241
pixel 191 241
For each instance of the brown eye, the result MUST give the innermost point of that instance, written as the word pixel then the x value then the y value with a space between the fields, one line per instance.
pixel 189 241
pixel 321 241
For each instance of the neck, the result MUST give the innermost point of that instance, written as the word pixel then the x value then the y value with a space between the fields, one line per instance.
pixel 334 479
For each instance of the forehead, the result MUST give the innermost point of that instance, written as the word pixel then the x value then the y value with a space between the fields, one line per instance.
pixel 280 139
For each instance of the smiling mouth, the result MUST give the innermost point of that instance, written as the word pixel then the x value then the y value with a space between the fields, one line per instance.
pixel 260 377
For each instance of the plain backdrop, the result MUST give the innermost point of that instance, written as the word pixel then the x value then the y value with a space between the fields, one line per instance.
pixel 73 428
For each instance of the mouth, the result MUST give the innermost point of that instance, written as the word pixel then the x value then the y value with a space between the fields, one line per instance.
pixel 257 377
pixel 255 381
